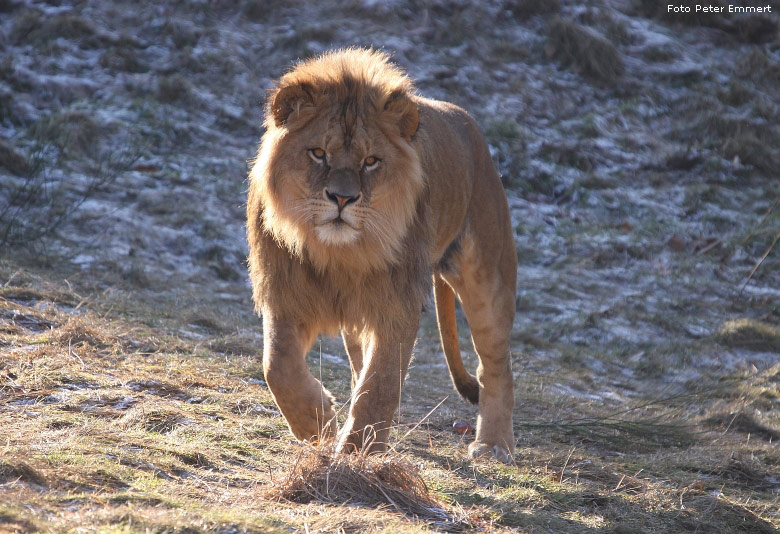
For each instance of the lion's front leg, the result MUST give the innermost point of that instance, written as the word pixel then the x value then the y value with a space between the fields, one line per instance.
pixel 376 394
pixel 305 404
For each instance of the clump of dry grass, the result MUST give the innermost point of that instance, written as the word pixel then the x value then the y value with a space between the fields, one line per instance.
pixel 77 332
pixel 32 27
pixel 160 421
pixel 236 344
pixel 746 470
pixel 758 66
pixel 21 471
pixel 524 9
pixel 208 320
pixel 122 59
pixel 583 50
pixel 710 513
pixel 13 161
pixel 174 88
pixel 32 295
pixel 752 141
pixel 751 335
pixel 262 10
pixel 370 480
pixel 744 423
pixel 751 150
pixel 72 131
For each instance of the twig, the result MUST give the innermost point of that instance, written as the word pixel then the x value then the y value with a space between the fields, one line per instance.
pixel 560 480
pixel 11 279
pixel 709 247
pixel 322 396
pixel 761 221
pixel 758 264
pixel 73 353
pixel 400 381
pixel 420 422
pixel 391 501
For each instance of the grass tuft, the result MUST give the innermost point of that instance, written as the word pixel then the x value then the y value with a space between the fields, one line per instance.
pixel 163 421
pixel 123 59
pixel 744 423
pixel 752 151
pixel 758 66
pixel 19 471
pixel 13 161
pixel 236 345
pixel 376 480
pixel 34 28
pixel 174 89
pixel 584 51
pixel 750 334
pixel 524 9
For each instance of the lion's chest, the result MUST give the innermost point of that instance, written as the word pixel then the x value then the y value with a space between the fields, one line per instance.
pixel 343 299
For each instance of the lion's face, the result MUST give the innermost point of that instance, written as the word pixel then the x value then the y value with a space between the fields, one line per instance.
pixel 340 180
pixel 344 188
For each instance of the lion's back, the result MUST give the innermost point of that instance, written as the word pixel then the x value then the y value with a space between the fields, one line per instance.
pixel 456 163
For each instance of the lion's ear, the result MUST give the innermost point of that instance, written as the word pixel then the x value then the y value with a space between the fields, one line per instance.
pixel 289 99
pixel 404 111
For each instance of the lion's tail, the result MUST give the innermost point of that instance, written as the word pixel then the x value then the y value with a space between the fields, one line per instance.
pixel 465 382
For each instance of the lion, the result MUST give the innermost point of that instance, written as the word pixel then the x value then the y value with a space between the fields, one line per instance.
pixel 361 194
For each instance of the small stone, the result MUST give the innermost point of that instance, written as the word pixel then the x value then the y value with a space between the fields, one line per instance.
pixel 461 427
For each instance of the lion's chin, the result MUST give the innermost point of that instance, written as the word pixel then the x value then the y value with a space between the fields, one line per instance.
pixel 337 233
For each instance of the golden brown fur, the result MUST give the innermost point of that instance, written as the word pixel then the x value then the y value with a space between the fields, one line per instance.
pixel 362 192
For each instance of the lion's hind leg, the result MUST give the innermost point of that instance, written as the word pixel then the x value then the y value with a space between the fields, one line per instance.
pixel 486 290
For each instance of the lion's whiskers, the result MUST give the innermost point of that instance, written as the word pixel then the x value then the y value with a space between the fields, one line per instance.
pixel 376 222
pixel 379 233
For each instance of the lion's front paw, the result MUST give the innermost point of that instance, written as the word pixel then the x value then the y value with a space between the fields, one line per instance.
pixel 499 452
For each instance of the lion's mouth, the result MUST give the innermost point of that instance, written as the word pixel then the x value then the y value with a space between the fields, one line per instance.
pixel 338 222
pixel 337 231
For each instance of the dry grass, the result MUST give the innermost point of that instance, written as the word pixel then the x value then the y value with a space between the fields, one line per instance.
pixel 750 334
pixel 746 423
pixel 174 88
pixel 116 426
pixel 743 139
pixel 583 50
pixel 12 160
pixel 32 27
pixel 524 9
pixel 387 480
pixel 72 131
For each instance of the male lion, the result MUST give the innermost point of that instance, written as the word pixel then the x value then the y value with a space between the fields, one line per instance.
pixel 362 191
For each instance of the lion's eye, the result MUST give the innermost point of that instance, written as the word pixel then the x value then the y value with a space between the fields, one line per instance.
pixel 318 155
pixel 370 162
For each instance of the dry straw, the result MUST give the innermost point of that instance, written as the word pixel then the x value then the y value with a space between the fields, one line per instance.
pixel 376 480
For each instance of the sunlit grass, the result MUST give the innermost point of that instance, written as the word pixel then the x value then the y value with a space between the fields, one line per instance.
pixel 128 428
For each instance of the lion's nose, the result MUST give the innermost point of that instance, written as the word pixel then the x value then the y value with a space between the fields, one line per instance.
pixel 340 199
